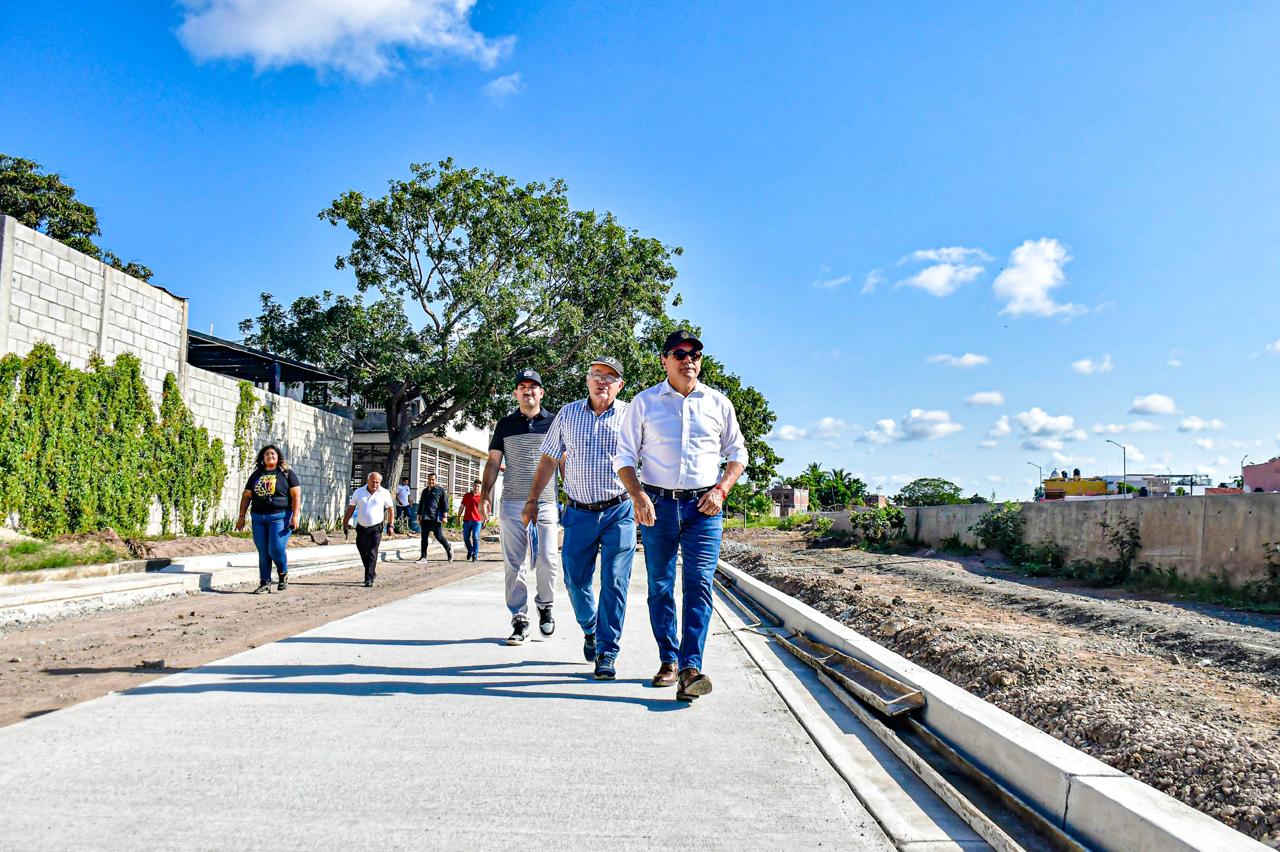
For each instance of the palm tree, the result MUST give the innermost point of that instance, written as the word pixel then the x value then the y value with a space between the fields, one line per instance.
pixel 839 484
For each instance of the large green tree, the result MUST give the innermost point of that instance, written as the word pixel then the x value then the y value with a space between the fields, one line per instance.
pixel 829 488
pixel 929 491
pixel 476 276
pixel 465 277
pixel 41 201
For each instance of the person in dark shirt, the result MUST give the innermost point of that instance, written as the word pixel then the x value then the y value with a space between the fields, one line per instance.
pixel 433 511
pixel 517 442
pixel 275 496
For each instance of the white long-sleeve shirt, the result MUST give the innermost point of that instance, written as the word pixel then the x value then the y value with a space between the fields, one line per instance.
pixel 679 441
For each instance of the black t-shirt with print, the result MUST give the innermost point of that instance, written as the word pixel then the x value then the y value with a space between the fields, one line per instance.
pixel 270 489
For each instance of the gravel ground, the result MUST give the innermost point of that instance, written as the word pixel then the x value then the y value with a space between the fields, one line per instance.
pixel 1186 701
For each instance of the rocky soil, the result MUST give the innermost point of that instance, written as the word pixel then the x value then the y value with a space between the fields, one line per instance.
pixel 1187 701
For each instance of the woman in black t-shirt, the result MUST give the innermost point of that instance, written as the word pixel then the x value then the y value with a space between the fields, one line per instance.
pixel 276 498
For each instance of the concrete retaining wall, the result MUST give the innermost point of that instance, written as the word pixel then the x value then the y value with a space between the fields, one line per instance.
pixel 1199 537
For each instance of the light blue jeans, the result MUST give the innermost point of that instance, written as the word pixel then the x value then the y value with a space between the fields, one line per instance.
pixel 271 537
pixel 471 537
pixel 678 525
pixel 611 535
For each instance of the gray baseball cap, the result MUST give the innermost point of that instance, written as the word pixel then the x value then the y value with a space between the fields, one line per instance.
pixel 612 363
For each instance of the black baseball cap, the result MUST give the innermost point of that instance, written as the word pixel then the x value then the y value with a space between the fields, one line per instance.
pixel 528 375
pixel 612 363
pixel 675 338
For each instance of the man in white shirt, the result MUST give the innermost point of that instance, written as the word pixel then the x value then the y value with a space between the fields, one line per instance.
pixel 374 509
pixel 677 433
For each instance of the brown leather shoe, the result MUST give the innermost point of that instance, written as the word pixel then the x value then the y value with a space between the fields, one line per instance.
pixel 693 684
pixel 666 675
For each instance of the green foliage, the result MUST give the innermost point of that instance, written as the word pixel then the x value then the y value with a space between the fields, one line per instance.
pixel 1123 536
pixel 880 524
pixel 1048 558
pixel 42 202
pixel 929 491
pixel 39 555
pixel 1001 528
pixel 822 526
pixel 790 522
pixel 830 488
pixel 81 450
pixel 246 407
pixel 953 544
pixel 504 276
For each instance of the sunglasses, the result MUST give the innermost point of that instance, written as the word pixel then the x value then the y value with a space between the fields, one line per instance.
pixel 681 354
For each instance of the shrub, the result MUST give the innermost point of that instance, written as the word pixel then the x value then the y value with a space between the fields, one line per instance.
pixel 879 525
pixel 822 526
pixel 792 521
pixel 1002 528
pixel 953 544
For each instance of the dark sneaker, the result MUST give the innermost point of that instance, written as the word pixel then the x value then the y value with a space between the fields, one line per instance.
pixel 605 669
pixel 666 675
pixel 589 647
pixel 519 632
pixel 283 584
pixel 546 623
pixel 263 589
pixel 448 557
pixel 693 684
pixel 368 584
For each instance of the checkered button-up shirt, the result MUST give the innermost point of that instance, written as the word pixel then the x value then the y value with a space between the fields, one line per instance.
pixel 591 440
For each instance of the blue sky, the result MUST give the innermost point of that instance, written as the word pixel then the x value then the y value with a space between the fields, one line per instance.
pixel 1087 199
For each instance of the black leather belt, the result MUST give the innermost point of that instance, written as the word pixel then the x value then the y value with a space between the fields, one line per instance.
pixel 677 493
pixel 601 506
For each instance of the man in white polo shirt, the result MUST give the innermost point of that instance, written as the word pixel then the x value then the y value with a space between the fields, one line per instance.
pixel 374 509
pixel 677 433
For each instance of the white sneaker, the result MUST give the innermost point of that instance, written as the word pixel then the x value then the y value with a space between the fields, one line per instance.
pixel 423 559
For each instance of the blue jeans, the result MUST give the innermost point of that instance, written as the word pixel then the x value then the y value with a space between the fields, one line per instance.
pixel 271 537
pixel 679 525
pixel 611 534
pixel 471 537
pixel 411 511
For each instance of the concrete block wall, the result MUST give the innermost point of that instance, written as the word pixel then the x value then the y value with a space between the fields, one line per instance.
pixel 1198 537
pixel 52 293
pixel 316 443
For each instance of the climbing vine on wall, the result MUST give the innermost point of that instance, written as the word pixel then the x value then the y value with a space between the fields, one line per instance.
pixel 81 450
pixel 246 408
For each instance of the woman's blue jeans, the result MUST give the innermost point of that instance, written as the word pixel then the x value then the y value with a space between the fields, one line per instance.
pixel 471 537
pixel 271 537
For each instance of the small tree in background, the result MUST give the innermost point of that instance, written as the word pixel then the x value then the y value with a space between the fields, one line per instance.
pixel 929 491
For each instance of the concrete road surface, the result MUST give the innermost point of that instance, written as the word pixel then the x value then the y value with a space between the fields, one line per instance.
pixel 413 725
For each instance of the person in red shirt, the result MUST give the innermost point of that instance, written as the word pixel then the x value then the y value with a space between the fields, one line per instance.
pixel 472 519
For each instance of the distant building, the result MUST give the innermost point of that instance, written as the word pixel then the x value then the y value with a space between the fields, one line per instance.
pixel 789 500
pixel 1264 475
pixel 456 458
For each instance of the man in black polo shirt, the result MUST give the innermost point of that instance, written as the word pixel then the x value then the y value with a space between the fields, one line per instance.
pixel 517 441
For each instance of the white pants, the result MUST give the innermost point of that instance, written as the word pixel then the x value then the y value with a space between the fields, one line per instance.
pixel 517 556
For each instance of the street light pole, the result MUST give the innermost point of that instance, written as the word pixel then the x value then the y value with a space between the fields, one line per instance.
pixel 1124 466
pixel 1039 474
pixel 1243 459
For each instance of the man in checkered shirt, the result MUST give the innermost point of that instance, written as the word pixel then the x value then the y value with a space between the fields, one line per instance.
pixel 598 519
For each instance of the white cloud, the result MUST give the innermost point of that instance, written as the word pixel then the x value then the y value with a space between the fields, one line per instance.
pixel 919 425
pixel 1204 443
pixel 504 86
pixel 787 432
pixel 1088 366
pixel 362 39
pixel 1136 454
pixel 833 283
pixel 949 269
pixel 1035 443
pixel 1205 469
pixel 968 359
pixel 1121 428
pixel 1272 348
pixel 829 427
pixel 1153 403
pixel 1034 268
pixel 1037 421
pixel 992 477
pixel 871 281
pixel 988 443
pixel 1174 361
pixel 1000 428
pixel 1198 424
pixel 986 398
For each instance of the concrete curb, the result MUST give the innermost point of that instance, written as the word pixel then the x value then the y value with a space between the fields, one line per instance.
pixel 59 599
pixel 1096 803
pixel 82 572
